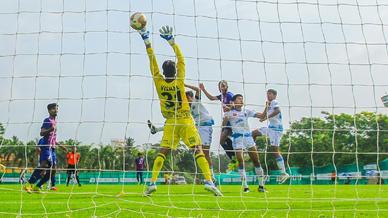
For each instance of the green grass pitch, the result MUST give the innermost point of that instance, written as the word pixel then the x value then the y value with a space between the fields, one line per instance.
pixel 194 201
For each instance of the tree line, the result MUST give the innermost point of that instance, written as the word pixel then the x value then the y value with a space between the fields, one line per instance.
pixel 338 139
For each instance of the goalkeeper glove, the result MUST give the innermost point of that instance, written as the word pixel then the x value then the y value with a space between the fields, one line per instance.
pixel 145 35
pixel 166 33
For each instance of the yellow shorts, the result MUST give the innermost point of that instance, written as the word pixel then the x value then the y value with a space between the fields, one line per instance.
pixel 180 129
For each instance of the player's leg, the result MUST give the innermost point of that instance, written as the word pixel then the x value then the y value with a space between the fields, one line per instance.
pixel 158 163
pixel 141 177
pixel 280 163
pixel 202 162
pixel 169 141
pixel 204 166
pixel 37 174
pixel 256 133
pixel 238 146
pixel 46 176
pixel 241 168
pixel 69 172
pixel 226 142
pixel 205 133
pixel 157 166
pixel 254 156
pixel 53 179
pixel 275 137
pixel 77 177
pixel 53 172
pixel 191 138
pixel 206 152
pixel 137 177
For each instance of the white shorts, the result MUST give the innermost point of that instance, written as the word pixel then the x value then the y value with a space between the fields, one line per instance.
pixel 243 142
pixel 205 132
pixel 274 136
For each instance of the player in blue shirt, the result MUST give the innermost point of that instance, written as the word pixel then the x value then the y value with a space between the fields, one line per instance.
pixel 46 148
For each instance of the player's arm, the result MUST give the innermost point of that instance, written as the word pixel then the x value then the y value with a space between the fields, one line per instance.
pixel 145 35
pixel 37 150
pixel 196 89
pixel 225 121
pixel 263 115
pixel 227 107
pixel 208 95
pixel 44 131
pixel 258 115
pixel 63 147
pixel 252 113
pixel 274 113
pixel 46 128
pixel 166 33
pixel 181 71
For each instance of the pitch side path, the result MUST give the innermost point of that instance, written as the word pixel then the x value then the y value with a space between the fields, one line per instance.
pixel 194 201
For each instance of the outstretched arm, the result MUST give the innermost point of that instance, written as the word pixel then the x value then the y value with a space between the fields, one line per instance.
pixel 166 32
pixel 181 66
pixel 196 89
pixel 144 33
pixel 208 95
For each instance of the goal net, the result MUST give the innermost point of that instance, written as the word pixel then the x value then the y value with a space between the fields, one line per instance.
pixel 327 60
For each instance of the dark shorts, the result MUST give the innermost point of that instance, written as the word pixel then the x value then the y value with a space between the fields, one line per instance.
pixel 71 169
pixel 48 156
pixel 227 129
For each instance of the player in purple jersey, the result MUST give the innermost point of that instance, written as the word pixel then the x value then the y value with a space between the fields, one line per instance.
pixel 47 156
pixel 140 166
pixel 226 98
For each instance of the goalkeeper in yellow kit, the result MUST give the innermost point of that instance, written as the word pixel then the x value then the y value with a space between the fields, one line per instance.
pixel 175 109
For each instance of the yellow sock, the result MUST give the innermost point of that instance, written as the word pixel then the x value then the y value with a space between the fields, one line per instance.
pixel 158 164
pixel 203 165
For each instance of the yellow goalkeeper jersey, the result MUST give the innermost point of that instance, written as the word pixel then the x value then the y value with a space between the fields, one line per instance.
pixel 173 101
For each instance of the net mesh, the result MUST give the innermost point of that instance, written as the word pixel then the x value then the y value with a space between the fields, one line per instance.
pixel 326 59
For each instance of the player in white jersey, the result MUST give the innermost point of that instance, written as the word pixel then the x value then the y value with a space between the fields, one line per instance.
pixel 242 139
pixel 203 121
pixel 274 130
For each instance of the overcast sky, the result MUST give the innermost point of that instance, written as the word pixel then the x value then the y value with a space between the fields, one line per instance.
pixel 83 55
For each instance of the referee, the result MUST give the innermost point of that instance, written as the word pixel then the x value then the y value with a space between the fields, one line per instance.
pixel 72 161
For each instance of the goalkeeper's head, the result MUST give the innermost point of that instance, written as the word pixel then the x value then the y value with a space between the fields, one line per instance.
pixel 169 69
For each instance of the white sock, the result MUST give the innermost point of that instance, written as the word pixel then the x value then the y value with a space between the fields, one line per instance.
pixel 260 175
pixel 212 172
pixel 159 129
pixel 243 176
